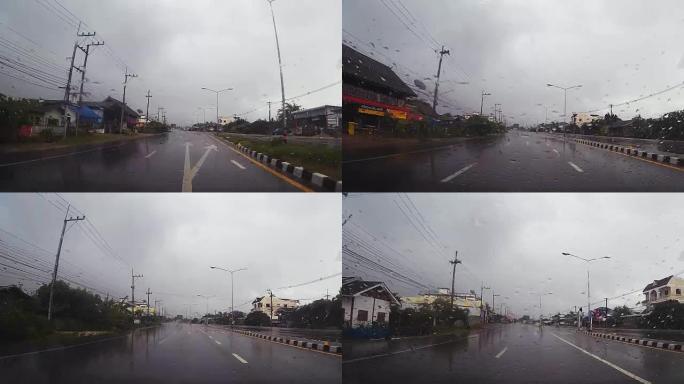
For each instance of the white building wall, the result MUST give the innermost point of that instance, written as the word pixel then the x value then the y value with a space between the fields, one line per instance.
pixel 365 303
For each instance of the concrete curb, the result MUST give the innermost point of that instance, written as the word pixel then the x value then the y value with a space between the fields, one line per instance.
pixel 679 347
pixel 666 159
pixel 320 346
pixel 318 179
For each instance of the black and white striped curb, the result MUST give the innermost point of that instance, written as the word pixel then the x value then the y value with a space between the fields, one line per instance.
pixel 318 179
pixel 320 346
pixel 649 343
pixel 667 159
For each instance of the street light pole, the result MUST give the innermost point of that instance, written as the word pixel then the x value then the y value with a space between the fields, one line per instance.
pixel 591 318
pixel 218 122
pixel 280 63
pixel 232 290
pixel 565 100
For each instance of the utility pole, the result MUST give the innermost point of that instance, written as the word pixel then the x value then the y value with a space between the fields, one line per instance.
pixel 148 302
pixel 147 113
pixel 67 89
pixel 269 111
pixel 482 315
pixel 280 63
pixel 270 293
pixel 439 70
pixel 123 107
pixel 453 276
pixel 482 100
pixel 83 71
pixel 59 251
pixel 133 277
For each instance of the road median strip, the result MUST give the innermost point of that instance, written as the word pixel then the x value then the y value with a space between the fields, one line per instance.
pixel 318 179
pixel 315 345
pixel 677 347
pixel 671 161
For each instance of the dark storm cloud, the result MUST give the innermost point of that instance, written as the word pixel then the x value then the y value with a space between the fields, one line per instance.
pixel 179 47
pixel 172 240
pixel 513 243
pixel 618 51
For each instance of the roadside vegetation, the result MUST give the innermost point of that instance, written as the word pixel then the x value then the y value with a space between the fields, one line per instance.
pixel 315 157
pixel 76 312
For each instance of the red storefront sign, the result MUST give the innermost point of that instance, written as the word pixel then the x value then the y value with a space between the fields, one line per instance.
pixel 394 110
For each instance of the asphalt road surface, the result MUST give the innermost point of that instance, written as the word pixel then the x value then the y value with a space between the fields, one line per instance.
pixel 515 162
pixel 519 353
pixel 174 162
pixel 175 353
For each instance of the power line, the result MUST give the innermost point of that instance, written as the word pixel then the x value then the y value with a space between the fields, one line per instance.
pixel 312 281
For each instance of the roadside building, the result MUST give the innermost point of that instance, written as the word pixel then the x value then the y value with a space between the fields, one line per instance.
pixel 50 115
pixel 374 98
pixel 225 120
pixel 466 301
pixel 270 305
pixel 665 289
pixel 111 114
pixel 584 118
pixel 320 120
pixel 366 303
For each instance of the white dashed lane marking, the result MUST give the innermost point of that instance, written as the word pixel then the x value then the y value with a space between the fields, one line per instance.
pixel 243 361
pixel 502 352
pixel 238 164
pixel 458 173
pixel 578 169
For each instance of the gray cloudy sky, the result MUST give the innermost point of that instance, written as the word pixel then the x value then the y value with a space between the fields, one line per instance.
pixel 619 50
pixel 513 242
pixel 178 47
pixel 172 239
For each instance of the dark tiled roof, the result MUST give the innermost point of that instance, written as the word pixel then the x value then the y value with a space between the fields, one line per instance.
pixel 362 67
pixel 109 103
pixel 657 283
pixel 357 286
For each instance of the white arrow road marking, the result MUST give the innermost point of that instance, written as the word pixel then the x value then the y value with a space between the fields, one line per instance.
pixel 608 363
pixel 217 342
pixel 243 361
pixel 238 164
pixel 502 352
pixel 460 172
pixel 190 173
pixel 578 169
pixel 151 154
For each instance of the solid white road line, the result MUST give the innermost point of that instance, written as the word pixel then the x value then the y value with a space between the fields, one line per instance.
pixel 460 172
pixel 151 154
pixel 238 164
pixel 243 361
pixel 608 363
pixel 58 156
pixel 402 351
pixel 578 169
pixel 502 352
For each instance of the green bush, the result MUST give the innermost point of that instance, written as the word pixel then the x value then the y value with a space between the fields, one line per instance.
pixel 258 319
pixel 47 135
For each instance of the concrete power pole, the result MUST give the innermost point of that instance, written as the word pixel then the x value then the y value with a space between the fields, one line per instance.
pixel 67 88
pixel 123 106
pixel 133 277
pixel 280 63
pixel 59 251
pixel 270 293
pixel 83 71
pixel 269 111
pixel 147 112
pixel 453 276
pixel 148 302
pixel 439 70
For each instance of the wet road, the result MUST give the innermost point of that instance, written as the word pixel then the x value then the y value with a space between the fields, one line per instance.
pixel 519 353
pixel 515 162
pixel 174 162
pixel 175 353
